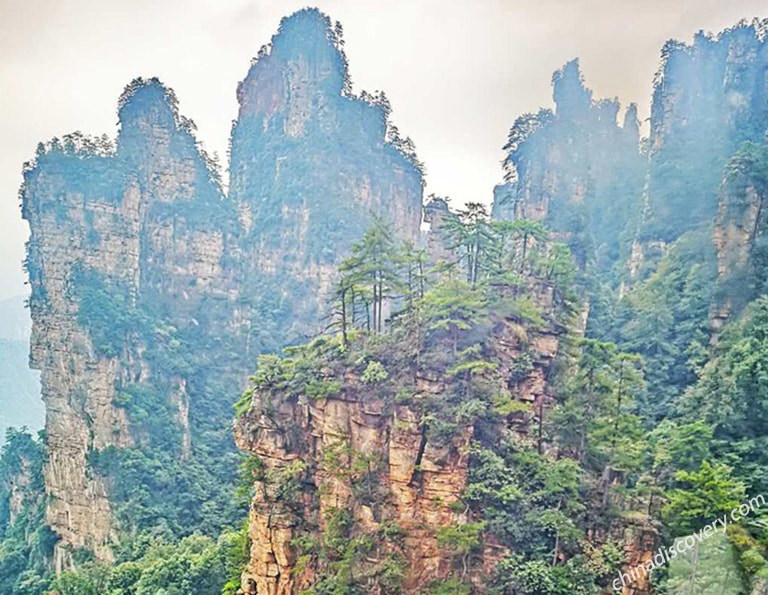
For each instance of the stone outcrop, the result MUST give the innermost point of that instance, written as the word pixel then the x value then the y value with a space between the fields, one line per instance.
pixel 739 231
pixel 418 484
pixel 112 222
pixel 641 542
pixel 311 164
pixel 434 240
pixel 739 223
pixel 708 97
pixel 504 203
pixel 576 169
pixel 148 282
pixel 582 174
pixel 364 452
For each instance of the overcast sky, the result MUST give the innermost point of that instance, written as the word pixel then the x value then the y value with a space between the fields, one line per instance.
pixel 458 72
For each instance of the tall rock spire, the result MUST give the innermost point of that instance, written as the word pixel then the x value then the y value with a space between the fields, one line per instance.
pixel 153 291
pixel 708 97
pixel 311 164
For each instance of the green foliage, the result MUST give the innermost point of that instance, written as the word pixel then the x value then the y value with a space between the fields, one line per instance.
pixel 579 575
pixel 450 308
pixel 752 160
pixel 374 373
pixel 196 564
pixel 342 552
pixel 180 475
pixel 105 309
pixel 732 395
pixel 529 502
pixel 752 561
pixel 450 586
pixel 301 372
pixel 159 491
pixel 285 483
pixel 26 543
pixel 469 233
pixel 703 495
pixel 368 278
pixel 595 422
pixel 461 541
pixel 322 389
pixel 710 569
pixel 677 447
pixel 665 320
pixel 440 323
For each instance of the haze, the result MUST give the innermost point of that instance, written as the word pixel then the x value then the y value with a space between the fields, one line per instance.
pixel 457 72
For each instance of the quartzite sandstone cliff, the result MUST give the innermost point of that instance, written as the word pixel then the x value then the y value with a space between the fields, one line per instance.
pixel 364 452
pixel 148 282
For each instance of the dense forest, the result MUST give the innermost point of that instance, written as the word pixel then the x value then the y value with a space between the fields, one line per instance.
pixel 312 382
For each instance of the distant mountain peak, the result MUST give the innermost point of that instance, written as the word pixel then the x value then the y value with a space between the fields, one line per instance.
pixel 148 99
pixel 307 54
pixel 571 96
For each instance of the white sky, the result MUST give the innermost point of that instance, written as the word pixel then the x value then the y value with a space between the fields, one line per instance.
pixel 458 72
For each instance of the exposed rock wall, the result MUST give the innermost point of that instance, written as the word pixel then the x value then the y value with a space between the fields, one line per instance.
pixel 505 202
pixel 311 164
pixel 739 222
pixel 575 169
pixel 584 175
pixel 740 231
pixel 97 217
pixel 578 170
pixel 709 97
pixel 419 484
pixel 437 215
pixel 333 447
pixel 149 283
pixel 641 542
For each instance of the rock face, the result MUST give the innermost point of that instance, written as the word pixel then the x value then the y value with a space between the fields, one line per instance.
pixel 311 164
pixel 152 291
pixel 109 238
pixel 708 98
pixel 740 231
pixel 641 541
pixel 419 482
pixel 578 170
pixel 434 240
pixel 504 202
pixel 361 453
pixel 575 169
pixel 582 174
